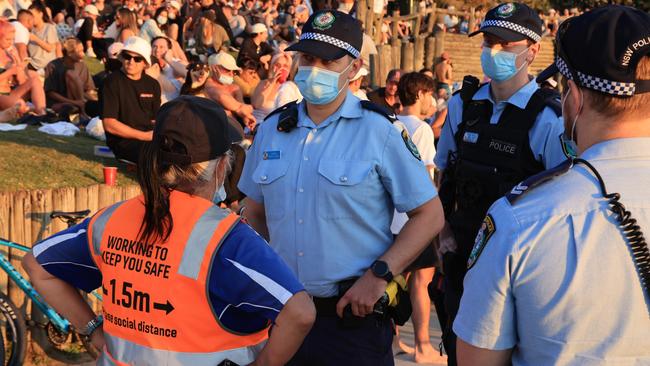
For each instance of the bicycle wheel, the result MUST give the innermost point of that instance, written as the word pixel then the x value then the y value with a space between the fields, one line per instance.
pixel 13 330
pixel 68 348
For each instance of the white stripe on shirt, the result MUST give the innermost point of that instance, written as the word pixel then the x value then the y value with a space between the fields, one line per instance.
pixel 47 244
pixel 279 292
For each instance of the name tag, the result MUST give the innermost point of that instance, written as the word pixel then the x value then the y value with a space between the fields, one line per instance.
pixel 145 95
pixel 271 155
pixel 470 137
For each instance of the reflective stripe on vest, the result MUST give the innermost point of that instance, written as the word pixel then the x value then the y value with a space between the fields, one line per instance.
pixel 199 240
pixel 100 224
pixel 125 353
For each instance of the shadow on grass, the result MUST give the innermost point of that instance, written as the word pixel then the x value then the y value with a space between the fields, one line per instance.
pixel 28 168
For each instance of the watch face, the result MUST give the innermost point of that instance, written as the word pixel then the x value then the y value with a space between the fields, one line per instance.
pixel 380 268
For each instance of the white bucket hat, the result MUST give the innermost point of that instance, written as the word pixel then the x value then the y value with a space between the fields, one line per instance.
pixel 138 45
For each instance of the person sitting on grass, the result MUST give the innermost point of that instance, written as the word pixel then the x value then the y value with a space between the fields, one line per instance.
pixel 16 82
pixel 130 101
pixel 68 83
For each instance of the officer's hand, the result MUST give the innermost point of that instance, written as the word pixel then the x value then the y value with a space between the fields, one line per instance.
pixel 363 295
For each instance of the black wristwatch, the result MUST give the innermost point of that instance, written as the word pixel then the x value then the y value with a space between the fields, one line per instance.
pixel 380 269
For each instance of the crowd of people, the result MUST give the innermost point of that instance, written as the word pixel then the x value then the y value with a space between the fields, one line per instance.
pixel 261 107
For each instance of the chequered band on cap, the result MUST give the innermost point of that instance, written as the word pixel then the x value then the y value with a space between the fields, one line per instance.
pixel 331 40
pixel 593 82
pixel 513 27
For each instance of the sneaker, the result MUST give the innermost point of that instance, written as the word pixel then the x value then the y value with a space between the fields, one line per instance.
pixel 91 53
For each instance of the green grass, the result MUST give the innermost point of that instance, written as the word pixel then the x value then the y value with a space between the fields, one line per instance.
pixel 32 160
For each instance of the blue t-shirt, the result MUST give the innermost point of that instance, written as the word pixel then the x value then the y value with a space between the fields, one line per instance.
pixel 250 286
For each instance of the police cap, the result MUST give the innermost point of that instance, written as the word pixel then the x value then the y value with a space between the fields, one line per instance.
pixel 512 22
pixel 600 50
pixel 330 35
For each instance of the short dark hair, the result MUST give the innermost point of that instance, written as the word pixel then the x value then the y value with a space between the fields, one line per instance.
pixel 410 85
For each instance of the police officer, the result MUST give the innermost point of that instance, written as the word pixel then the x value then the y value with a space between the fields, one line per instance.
pixel 495 135
pixel 322 179
pixel 560 270
pixel 184 282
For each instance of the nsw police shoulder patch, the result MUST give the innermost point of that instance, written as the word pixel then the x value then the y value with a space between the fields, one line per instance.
pixel 484 234
pixel 410 145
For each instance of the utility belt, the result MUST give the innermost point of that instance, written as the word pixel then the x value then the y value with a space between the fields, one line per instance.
pixel 394 304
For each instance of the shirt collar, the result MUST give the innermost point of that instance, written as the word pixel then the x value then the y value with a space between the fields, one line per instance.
pixel 623 148
pixel 519 99
pixel 351 108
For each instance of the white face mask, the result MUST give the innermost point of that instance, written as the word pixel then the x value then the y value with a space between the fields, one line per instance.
pixel 171 16
pixel 162 20
pixel 226 80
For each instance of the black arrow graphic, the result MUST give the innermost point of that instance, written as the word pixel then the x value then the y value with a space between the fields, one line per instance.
pixel 167 307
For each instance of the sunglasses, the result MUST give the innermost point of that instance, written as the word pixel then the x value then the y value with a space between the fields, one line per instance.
pixel 129 57
pixel 200 67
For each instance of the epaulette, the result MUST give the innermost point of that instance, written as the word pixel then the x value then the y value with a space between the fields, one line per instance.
pixel 538 179
pixel 390 115
pixel 288 119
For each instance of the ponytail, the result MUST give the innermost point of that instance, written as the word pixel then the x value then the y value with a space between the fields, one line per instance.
pixel 157 223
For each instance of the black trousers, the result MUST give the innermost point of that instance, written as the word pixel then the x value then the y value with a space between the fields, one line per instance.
pixel 455 268
pixel 329 344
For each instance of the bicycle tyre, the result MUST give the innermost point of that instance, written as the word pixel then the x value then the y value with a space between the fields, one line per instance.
pixel 14 332
pixel 72 357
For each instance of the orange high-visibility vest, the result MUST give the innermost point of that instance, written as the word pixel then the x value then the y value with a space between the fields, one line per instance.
pixel 155 297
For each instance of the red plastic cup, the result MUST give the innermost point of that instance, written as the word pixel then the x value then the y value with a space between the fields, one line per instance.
pixel 110 175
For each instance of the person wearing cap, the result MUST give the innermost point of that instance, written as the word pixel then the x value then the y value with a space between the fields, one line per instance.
pixel 559 273
pixel 322 179
pixel 221 88
pixel 86 29
pixel 387 96
pixel 495 135
pixel 444 73
pixel 68 82
pixel 355 84
pixel 212 286
pixel 130 100
pixel 255 47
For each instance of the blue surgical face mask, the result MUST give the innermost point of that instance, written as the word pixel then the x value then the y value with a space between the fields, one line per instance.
pixel 569 141
pixel 500 65
pixel 319 86
pixel 219 194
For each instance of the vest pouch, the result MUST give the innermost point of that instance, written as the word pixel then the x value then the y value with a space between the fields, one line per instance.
pixel 477 185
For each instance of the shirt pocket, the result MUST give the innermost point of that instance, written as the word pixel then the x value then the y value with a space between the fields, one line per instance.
pixel 343 187
pixel 270 175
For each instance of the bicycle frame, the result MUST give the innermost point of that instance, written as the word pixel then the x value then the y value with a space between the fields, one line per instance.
pixel 57 320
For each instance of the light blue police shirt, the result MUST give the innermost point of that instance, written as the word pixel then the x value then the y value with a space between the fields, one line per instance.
pixel 329 191
pixel 544 136
pixel 556 279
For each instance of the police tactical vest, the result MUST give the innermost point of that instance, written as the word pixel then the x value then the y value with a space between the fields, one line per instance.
pixel 156 303
pixel 490 159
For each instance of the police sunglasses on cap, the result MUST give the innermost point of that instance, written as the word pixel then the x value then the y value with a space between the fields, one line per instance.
pixel 128 57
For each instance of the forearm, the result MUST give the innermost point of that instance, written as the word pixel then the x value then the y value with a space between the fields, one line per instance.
pixel 22 51
pixel 424 223
pixel 288 332
pixel 64 298
pixel 118 128
pixel 48 47
pixel 254 214
pixel 52 95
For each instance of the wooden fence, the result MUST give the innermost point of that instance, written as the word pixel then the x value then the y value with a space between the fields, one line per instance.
pixel 25 219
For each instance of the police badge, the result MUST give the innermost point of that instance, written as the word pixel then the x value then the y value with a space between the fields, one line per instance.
pixel 324 21
pixel 484 234
pixel 506 10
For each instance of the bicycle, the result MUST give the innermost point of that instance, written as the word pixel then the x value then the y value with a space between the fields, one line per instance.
pixel 50 330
